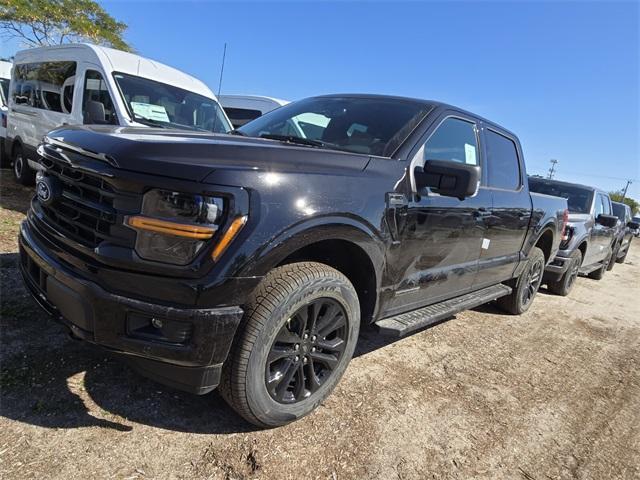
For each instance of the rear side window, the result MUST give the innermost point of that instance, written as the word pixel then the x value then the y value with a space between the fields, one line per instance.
pixel 502 161
pixel 453 141
pixel 44 85
pixel 97 106
pixel 603 205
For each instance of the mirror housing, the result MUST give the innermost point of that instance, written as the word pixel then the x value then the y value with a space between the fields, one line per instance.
pixel 607 220
pixel 449 179
pixel 633 225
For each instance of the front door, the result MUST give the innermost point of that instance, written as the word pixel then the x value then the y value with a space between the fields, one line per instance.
pixel 441 236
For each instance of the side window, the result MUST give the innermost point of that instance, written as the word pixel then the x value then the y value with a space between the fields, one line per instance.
pixel 453 141
pixel 45 85
pixel 97 106
pixel 240 116
pixel 502 161
pixel 599 205
pixel 606 205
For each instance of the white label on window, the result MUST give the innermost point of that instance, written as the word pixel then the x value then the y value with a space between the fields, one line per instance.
pixel 485 243
pixel 470 154
pixel 150 111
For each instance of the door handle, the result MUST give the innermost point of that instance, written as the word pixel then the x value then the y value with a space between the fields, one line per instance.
pixel 482 212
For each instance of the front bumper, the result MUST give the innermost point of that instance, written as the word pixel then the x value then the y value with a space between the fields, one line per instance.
pixel 186 352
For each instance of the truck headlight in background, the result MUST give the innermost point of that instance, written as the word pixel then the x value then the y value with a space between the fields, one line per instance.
pixel 174 227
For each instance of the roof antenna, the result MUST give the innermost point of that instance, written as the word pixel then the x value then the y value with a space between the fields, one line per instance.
pixel 224 55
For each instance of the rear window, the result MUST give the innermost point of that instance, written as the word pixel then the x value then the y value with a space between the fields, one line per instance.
pixel 578 198
pixel 502 162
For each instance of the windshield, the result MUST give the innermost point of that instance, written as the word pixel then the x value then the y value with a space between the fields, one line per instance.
pixel 374 126
pixel 578 198
pixel 158 104
pixel 4 90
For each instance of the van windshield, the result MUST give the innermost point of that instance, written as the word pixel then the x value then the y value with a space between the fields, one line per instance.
pixel 161 105
pixel 4 90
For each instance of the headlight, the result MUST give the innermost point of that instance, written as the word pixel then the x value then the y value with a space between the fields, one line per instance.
pixel 173 227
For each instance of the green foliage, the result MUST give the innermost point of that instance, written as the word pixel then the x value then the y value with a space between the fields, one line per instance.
pixel 617 197
pixel 54 22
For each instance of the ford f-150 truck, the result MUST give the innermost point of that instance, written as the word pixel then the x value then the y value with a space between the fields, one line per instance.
pixel 249 262
pixel 624 232
pixel 587 246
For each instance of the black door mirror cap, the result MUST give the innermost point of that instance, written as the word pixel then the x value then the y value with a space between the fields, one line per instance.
pixel 449 179
pixel 607 220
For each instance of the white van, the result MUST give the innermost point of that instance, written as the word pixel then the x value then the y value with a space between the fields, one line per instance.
pixel 5 76
pixel 88 84
pixel 243 108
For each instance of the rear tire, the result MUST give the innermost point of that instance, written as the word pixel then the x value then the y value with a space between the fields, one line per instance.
pixel 526 285
pixel 563 286
pixel 300 327
pixel 22 172
pixel 599 273
pixel 624 257
pixel 612 258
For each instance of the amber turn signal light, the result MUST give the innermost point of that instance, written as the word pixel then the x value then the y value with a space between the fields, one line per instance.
pixel 171 228
pixel 228 236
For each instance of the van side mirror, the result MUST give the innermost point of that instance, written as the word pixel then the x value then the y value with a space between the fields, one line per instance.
pixel 607 220
pixel 449 179
pixel 633 225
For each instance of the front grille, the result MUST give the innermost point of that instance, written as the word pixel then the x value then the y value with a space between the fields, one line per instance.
pixel 84 210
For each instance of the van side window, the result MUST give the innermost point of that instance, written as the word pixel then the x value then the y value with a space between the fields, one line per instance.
pixel 240 116
pixel 44 85
pixel 454 141
pixel 97 106
pixel 502 162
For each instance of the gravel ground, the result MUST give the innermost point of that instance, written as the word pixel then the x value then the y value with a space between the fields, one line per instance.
pixel 554 393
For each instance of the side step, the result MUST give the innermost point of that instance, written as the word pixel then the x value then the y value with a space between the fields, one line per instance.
pixel 405 323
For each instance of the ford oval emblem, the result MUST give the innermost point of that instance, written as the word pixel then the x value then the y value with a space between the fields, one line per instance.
pixel 46 190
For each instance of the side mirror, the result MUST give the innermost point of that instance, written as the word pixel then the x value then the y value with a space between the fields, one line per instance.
pixel 449 179
pixel 633 225
pixel 607 220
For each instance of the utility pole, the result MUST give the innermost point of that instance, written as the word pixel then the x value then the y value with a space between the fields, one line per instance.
pixel 624 192
pixel 552 170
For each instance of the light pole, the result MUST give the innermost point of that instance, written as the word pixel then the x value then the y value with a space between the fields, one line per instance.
pixel 624 192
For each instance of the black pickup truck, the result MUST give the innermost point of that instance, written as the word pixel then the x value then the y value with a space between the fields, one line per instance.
pixel 249 261
pixel 588 244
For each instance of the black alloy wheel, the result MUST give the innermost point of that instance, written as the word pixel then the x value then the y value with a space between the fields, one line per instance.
pixel 532 280
pixel 306 351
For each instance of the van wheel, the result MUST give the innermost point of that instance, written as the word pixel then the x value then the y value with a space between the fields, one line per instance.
pixel 296 338
pixel 22 172
pixel 526 286
pixel 565 284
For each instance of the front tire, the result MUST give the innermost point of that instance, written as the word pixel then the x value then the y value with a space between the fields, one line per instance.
pixel 624 257
pixel 296 339
pixel 526 286
pixel 22 172
pixel 565 284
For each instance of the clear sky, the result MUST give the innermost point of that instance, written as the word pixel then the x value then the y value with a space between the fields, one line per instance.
pixel 564 76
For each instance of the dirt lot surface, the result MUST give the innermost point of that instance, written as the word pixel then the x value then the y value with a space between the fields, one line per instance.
pixel 552 394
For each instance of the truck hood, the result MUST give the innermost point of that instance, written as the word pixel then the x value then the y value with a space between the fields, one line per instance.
pixel 194 155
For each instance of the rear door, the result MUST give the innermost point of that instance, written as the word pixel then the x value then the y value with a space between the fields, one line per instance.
pixel 601 236
pixel 511 207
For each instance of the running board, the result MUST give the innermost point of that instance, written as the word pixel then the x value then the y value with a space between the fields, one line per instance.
pixel 405 323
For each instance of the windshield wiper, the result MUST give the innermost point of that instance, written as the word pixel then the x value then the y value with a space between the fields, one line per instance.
pixel 293 139
pixel 150 122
